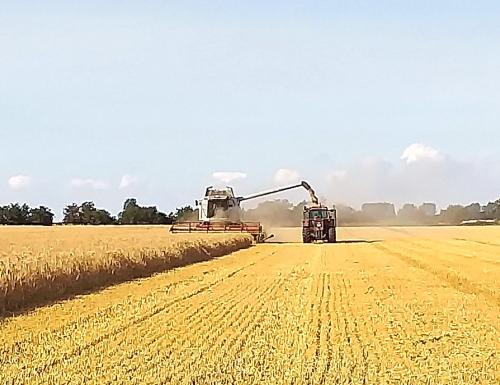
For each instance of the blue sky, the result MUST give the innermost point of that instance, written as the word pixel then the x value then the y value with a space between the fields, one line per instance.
pixel 156 96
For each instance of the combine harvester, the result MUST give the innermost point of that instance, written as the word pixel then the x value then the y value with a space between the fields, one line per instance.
pixel 220 212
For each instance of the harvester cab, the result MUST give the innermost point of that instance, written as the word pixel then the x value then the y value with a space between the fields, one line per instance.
pixel 219 205
pixel 220 211
pixel 319 224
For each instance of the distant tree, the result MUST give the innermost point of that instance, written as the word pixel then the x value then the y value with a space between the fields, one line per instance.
pixel 25 214
pixel 428 209
pixel 133 214
pixel 72 215
pixel 185 213
pixel 162 219
pixel 41 216
pixel 3 215
pixel 474 211
pixel 454 215
pixel 87 214
pixel 147 215
pixel 492 210
pixel 130 214
pixel 16 214
pixel 103 217
pixel 348 216
pixel 410 214
pixel 497 210
pixel 378 211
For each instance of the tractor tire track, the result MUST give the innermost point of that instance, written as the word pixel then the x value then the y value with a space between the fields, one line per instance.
pixel 453 280
pixel 77 351
pixel 224 350
pixel 160 335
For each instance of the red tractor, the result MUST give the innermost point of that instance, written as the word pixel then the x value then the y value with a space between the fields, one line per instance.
pixel 319 224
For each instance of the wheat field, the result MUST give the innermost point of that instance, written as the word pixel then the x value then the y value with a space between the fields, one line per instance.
pixel 39 264
pixel 386 306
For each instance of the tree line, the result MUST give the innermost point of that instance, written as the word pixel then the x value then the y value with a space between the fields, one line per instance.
pixel 16 214
pixel 426 214
pixel 87 213
pixel 271 213
pixel 285 213
pixel 132 214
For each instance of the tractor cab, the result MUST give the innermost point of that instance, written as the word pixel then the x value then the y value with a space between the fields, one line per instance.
pixel 318 213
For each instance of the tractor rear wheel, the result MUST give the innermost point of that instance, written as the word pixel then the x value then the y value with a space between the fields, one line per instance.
pixel 332 235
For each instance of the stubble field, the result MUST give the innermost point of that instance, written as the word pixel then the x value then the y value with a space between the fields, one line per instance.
pixel 385 306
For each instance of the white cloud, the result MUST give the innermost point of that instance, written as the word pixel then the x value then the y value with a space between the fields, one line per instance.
pixel 128 181
pixel 228 176
pixel 19 182
pixel 90 183
pixel 420 152
pixel 285 175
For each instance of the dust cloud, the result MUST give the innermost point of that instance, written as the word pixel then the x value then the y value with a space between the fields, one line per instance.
pixel 423 174
pixel 285 234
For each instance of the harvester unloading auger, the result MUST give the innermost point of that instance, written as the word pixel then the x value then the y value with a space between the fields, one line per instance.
pixel 220 211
